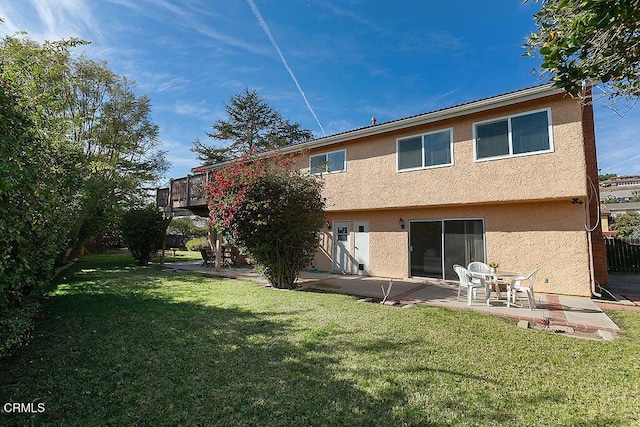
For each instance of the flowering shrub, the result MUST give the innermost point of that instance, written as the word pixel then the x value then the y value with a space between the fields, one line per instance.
pixel 269 211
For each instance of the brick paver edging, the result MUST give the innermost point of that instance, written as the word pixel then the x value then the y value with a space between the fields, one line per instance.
pixel 608 306
pixel 560 318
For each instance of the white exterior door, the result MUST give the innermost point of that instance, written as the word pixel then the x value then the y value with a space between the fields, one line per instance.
pixel 361 247
pixel 341 246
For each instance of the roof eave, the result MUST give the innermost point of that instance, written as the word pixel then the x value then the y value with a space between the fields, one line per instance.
pixel 472 107
pixel 421 119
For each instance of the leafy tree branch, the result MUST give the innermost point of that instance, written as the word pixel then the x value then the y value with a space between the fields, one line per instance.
pixel 589 41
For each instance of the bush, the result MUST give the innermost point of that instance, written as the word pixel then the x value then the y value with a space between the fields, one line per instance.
pixel 142 232
pixel 34 214
pixel 626 224
pixel 16 325
pixel 271 213
pixel 197 243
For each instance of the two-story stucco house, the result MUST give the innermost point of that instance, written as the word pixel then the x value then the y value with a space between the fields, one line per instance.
pixel 511 178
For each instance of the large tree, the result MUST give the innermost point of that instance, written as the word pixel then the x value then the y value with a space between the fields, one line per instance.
pixel 590 41
pixel 118 142
pixel 95 117
pixel 252 126
pixel 76 147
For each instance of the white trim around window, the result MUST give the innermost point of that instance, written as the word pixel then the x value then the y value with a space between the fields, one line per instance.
pixel 331 162
pixel 511 145
pixel 432 153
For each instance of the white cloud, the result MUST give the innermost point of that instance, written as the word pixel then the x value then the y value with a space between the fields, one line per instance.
pixel 148 81
pixel 197 110
pixel 7 13
pixel 210 33
pixel 180 156
pixel 355 17
pixel 630 164
pixel 194 20
pixel 51 19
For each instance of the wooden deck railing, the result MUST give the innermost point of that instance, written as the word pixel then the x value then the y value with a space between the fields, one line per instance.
pixel 162 197
pixel 187 192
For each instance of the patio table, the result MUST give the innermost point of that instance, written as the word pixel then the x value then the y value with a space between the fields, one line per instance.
pixel 489 278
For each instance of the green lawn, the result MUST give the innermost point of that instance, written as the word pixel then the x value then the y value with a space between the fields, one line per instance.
pixel 121 345
pixel 181 256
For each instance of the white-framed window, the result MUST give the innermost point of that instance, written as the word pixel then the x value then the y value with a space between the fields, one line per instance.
pixel 335 161
pixel 429 150
pixel 517 135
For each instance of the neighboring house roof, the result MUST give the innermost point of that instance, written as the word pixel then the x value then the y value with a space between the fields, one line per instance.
pixel 505 99
pixel 604 210
pixel 617 208
pixel 625 180
pixel 619 192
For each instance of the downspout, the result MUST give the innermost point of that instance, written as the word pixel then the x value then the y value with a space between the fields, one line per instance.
pixel 591 192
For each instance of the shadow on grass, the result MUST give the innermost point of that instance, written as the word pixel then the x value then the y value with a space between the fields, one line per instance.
pixel 122 345
pixel 110 354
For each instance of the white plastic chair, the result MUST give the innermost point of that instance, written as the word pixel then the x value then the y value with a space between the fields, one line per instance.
pixel 481 267
pixel 466 281
pixel 478 267
pixel 517 286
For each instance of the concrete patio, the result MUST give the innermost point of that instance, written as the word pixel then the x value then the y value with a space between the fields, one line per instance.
pixel 565 313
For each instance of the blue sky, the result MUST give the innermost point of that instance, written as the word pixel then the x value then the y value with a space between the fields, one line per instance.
pixel 330 65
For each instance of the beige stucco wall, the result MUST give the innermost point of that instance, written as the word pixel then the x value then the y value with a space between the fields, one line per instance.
pixel 520 236
pixel 371 180
pixel 525 202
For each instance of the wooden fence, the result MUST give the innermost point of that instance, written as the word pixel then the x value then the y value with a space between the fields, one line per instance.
pixel 622 257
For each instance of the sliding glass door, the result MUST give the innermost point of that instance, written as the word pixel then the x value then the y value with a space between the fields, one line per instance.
pixel 463 243
pixel 435 246
pixel 426 248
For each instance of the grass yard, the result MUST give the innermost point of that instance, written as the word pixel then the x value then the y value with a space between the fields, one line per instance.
pixel 121 345
pixel 180 256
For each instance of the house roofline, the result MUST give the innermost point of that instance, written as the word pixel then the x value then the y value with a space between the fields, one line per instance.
pixel 484 104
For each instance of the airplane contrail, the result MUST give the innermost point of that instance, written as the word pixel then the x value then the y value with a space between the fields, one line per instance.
pixel 264 26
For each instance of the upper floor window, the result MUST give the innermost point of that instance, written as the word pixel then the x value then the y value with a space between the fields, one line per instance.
pixel 515 135
pixel 425 151
pixel 328 162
